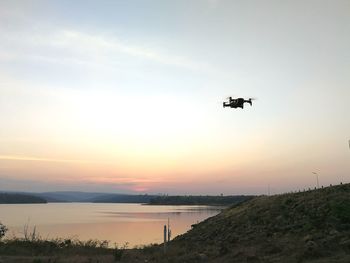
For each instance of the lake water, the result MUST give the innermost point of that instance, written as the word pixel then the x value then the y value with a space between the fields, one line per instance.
pixel 135 224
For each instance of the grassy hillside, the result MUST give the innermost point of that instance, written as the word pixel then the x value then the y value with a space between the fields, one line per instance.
pixel 311 226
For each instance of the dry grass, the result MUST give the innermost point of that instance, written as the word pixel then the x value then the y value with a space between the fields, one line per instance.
pixel 311 226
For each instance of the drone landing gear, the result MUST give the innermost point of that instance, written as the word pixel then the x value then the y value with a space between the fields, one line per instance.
pixel 249 101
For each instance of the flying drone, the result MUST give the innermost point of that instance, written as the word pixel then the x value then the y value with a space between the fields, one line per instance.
pixel 237 103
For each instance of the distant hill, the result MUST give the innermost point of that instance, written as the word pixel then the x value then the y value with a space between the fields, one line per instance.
pixel 119 198
pixel 12 198
pixel 63 196
pixel 69 196
pixel 86 197
pixel 199 200
pixel 311 226
pixel 94 197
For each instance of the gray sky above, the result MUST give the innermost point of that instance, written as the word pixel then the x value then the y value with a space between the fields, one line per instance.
pixel 127 94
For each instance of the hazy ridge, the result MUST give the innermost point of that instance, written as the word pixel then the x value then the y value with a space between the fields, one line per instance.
pixel 76 196
pixel 14 198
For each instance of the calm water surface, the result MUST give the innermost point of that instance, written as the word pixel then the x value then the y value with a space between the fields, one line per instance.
pixel 119 223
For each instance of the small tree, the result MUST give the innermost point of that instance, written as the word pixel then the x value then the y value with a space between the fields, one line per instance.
pixel 3 230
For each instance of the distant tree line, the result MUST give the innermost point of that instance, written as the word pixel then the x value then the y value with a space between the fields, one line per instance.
pixel 19 198
pixel 8 198
pixel 118 198
pixel 199 200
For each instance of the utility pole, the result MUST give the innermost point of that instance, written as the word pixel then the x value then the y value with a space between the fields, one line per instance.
pixel 316 179
pixel 167 235
pixel 165 238
pixel 169 231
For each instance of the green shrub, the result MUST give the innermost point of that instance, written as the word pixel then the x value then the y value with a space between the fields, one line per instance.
pixel 118 252
pixel 342 211
pixel 3 230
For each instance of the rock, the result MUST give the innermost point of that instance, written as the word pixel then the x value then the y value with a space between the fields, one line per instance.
pixel 311 245
pixel 312 250
pixel 307 238
pixel 333 232
pixel 202 256
pixel 252 259
pixel 345 243
pixel 223 250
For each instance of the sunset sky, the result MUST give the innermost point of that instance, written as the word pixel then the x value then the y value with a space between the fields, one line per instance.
pixel 126 96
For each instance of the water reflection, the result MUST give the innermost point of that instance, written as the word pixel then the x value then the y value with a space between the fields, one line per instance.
pixel 120 223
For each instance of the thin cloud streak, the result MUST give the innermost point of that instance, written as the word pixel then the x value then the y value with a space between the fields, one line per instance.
pixel 90 49
pixel 114 179
pixel 80 41
pixel 38 159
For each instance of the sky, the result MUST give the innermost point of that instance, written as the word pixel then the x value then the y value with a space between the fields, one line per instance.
pixel 126 96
